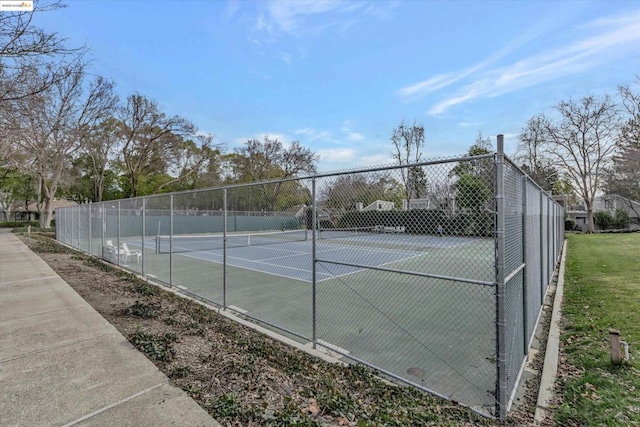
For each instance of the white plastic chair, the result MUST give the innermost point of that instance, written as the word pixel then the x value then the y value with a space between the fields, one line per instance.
pixel 115 253
pixel 131 252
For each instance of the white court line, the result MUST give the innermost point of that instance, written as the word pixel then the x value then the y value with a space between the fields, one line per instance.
pixel 360 249
pixel 232 247
pixel 330 275
pixel 255 269
pixel 333 276
pixel 344 248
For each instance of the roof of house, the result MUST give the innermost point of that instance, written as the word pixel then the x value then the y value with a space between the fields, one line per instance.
pixel 616 196
pixel 57 203
pixel 374 205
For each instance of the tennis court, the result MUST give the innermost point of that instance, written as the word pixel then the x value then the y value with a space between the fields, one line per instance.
pixel 441 291
pixel 398 321
pixel 289 253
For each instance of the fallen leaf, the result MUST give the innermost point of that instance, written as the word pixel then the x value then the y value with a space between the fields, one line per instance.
pixel 313 407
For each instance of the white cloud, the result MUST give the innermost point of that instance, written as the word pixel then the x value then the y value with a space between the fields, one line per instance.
pixel 351 134
pixel 337 155
pixel 375 160
pixel 610 38
pixel 286 57
pixel 297 17
pixel 429 85
pixel 314 134
pixel 278 20
pixel 469 124
pixel 355 136
pixel 287 15
pixel 443 80
pixel 232 8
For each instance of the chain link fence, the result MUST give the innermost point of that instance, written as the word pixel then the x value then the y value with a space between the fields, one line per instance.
pixel 432 273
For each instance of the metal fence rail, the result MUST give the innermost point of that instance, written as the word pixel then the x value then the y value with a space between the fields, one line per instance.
pixel 432 273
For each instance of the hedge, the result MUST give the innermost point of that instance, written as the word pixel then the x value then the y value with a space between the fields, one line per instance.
pixel 420 221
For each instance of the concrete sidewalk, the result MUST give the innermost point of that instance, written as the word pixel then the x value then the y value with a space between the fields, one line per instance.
pixel 61 363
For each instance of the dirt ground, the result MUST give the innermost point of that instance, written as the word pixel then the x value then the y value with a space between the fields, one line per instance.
pixel 240 376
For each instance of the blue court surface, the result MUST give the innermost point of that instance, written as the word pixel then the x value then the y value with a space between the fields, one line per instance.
pixel 293 259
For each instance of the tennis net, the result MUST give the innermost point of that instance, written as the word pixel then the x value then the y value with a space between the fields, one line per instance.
pixel 339 233
pixel 207 242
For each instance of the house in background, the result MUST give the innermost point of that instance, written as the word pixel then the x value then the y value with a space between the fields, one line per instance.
pixel 427 203
pixel 607 203
pixel 30 213
pixel 378 205
pixel 613 202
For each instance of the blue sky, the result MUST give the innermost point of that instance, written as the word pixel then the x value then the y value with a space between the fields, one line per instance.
pixel 339 75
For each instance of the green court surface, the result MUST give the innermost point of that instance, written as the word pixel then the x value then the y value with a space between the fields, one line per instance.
pixel 433 332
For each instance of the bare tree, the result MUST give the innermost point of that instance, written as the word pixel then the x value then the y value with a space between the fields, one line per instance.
pixel 582 141
pixel 343 193
pixel 31 61
pixel 191 159
pixel 149 140
pixel 623 178
pixel 98 146
pixel 444 193
pixel 532 153
pixel 408 142
pixel 26 50
pixel 269 160
pixel 51 125
pixel 629 135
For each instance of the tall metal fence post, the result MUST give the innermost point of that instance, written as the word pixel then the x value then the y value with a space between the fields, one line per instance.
pixel 90 236
pixel 72 226
pixel 550 260
pixel 103 221
pixel 525 282
pixel 171 240
pixel 224 249
pixel 541 246
pixel 500 283
pixel 118 236
pixel 314 228
pixel 553 233
pixel 79 217
pixel 559 226
pixel 144 233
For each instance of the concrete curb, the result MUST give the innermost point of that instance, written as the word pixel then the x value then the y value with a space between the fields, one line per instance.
pixel 550 367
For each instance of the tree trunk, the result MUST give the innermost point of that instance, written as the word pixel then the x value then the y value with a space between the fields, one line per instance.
pixel 591 228
pixel 133 192
pixel 46 214
pixel 98 189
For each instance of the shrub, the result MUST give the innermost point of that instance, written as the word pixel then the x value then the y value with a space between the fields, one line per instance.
pixel 142 310
pixel 14 224
pixel 569 224
pixel 606 220
pixel 621 219
pixel 603 220
pixel 156 347
pixel 422 221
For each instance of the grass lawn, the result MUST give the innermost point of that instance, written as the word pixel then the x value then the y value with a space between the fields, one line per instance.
pixel 602 292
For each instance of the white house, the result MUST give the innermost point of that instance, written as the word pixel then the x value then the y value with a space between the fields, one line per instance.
pixel 428 203
pixel 607 203
pixel 380 205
